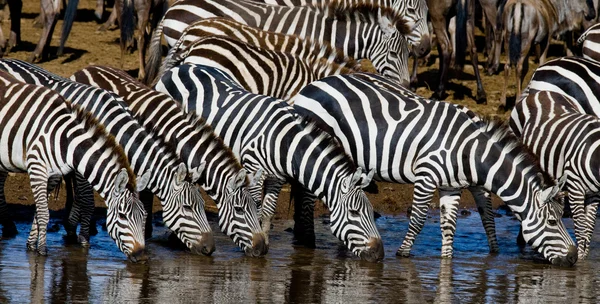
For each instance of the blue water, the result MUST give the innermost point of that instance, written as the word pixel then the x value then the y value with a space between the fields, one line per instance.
pixel 327 274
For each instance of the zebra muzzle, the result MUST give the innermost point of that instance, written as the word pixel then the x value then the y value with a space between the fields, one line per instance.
pixel 374 251
pixel 206 246
pixel 569 260
pixel 137 254
pixel 259 246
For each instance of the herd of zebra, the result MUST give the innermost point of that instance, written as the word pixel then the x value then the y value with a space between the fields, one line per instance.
pixel 254 94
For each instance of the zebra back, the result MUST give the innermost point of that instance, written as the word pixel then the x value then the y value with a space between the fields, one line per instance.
pixel 590 43
pixel 205 154
pixel 364 30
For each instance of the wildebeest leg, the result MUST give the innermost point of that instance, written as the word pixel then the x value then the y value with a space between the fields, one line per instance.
pixel 15 7
pixel 523 65
pixel 111 22
pixel 481 97
pixel 438 21
pixel 506 72
pixel 413 77
pixel 142 8
pixel 8 226
pixel 50 10
pixel 99 9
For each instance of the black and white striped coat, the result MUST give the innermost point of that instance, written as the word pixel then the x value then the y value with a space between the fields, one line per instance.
pixel 265 134
pixel 183 206
pixel 262 62
pixel 196 144
pixel 590 43
pixel 47 137
pixel 578 79
pixel 567 144
pixel 361 31
pixel 436 145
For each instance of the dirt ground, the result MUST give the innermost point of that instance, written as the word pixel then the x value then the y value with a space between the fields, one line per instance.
pixel 87 46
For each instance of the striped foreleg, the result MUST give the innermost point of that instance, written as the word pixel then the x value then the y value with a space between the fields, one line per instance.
pixel 304 210
pixel 484 207
pixel 8 226
pixel 271 188
pixel 591 206
pixel 449 200
pixel 84 203
pixel 423 193
pixel 41 185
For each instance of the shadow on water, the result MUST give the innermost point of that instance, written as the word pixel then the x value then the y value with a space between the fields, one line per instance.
pixel 295 274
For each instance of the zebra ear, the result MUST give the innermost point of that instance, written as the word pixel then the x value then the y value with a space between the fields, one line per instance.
pixel 142 181
pixel 366 179
pixel 356 177
pixel 237 181
pixel 180 174
pixel 121 181
pixel 255 178
pixel 560 183
pixel 197 172
pixel 545 195
pixel 386 25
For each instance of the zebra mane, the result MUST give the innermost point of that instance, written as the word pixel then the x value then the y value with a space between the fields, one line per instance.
pixel 501 133
pixel 90 122
pixel 365 10
pixel 312 126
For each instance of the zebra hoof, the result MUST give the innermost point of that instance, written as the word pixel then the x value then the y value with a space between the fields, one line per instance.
pixel 70 238
pixel 403 253
pixel 43 251
pixel 30 247
pixel 83 241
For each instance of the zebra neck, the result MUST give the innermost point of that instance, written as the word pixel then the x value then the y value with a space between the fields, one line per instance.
pixel 215 178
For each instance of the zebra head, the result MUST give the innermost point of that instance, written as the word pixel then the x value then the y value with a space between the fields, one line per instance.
pixel 415 12
pixel 352 219
pixel 238 217
pixel 390 57
pixel 126 217
pixel 184 212
pixel 544 230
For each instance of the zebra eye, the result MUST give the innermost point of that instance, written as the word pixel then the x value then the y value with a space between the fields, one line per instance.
pixel 354 213
pixel 187 207
pixel 552 222
pixel 238 209
pixel 122 216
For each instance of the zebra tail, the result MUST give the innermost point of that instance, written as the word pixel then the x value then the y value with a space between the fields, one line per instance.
pixel 461 31
pixel 127 24
pixel 154 55
pixel 174 58
pixel 70 12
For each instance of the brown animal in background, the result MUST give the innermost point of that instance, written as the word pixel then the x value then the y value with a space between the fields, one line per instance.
pixel 440 11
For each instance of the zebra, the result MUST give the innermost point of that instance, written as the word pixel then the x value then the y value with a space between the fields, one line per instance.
pixel 565 142
pixel 48 137
pixel 590 43
pixel 414 10
pixel 277 73
pixel 265 133
pixel 577 79
pixel 365 30
pixel 183 207
pixel 195 143
pixel 436 145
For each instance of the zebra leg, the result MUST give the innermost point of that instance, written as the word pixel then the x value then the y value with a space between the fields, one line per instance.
pixel 38 179
pixel 449 200
pixel 71 218
pixel 484 206
pixel 591 207
pixel 423 193
pixel 272 187
pixel 8 226
pixel 84 205
pixel 577 199
pixel 304 212
pixel 147 199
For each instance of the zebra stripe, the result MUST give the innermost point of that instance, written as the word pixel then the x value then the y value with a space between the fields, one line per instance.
pixel 47 137
pixel 414 11
pixel 577 79
pixel 590 43
pixel 567 145
pixel 362 31
pixel 183 207
pixel 264 133
pixel 280 73
pixel 195 143
pixel 435 145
